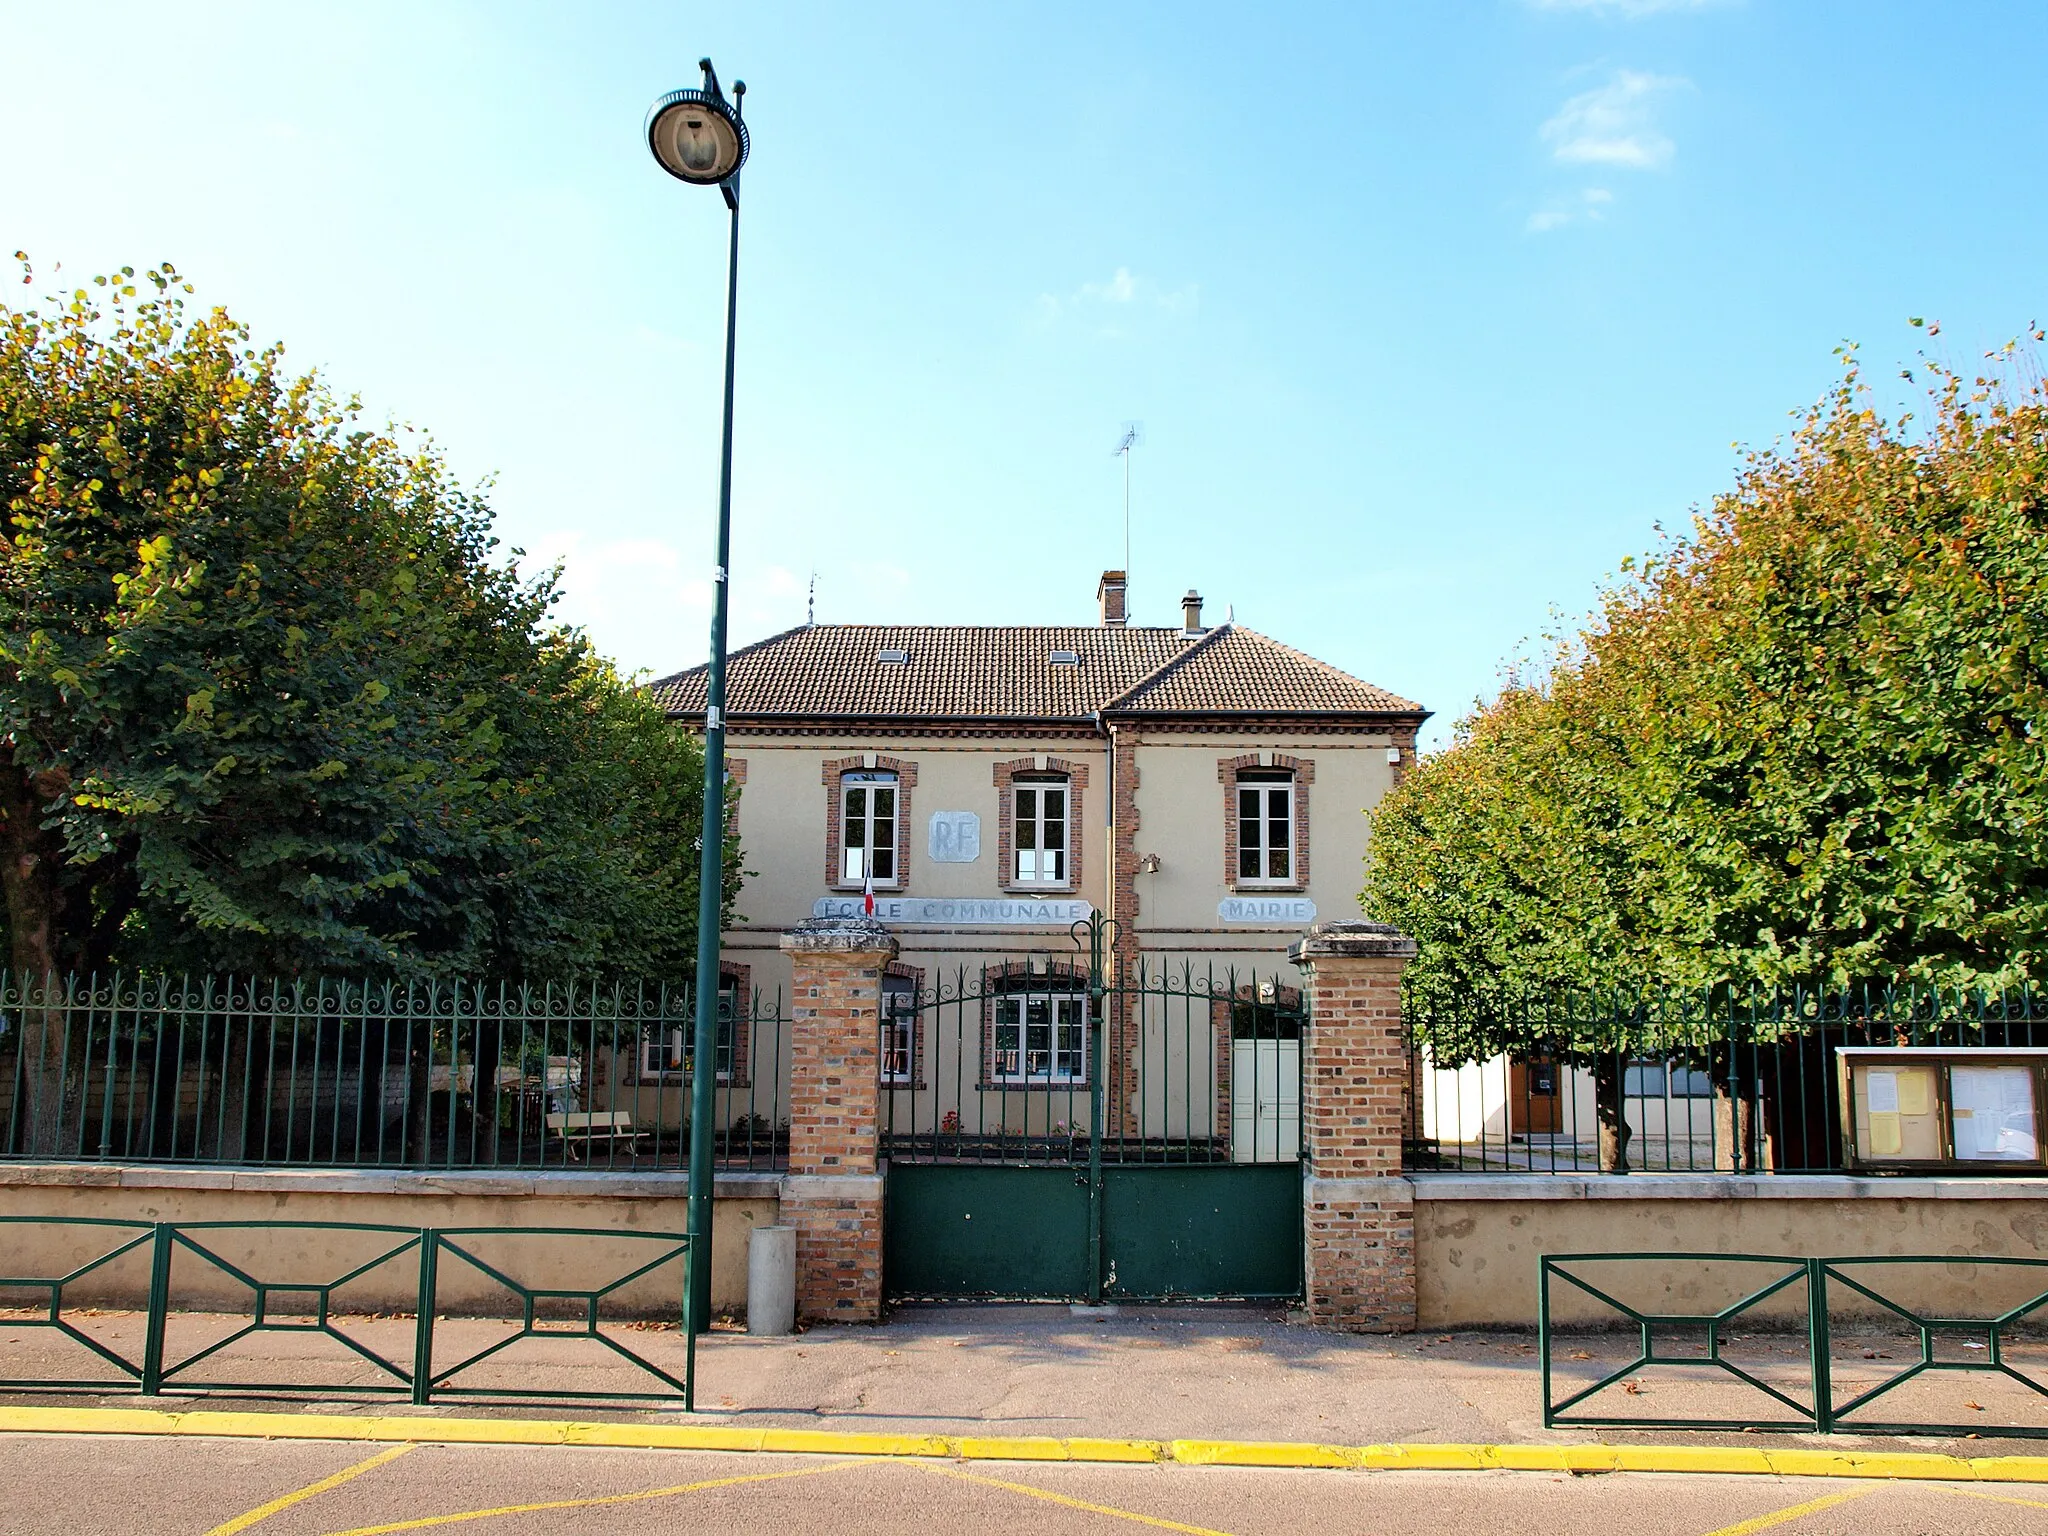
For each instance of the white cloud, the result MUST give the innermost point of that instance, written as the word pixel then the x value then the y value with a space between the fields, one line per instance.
pixel 1120 289
pixel 648 606
pixel 1614 124
pixel 1589 206
pixel 1123 293
pixel 1627 8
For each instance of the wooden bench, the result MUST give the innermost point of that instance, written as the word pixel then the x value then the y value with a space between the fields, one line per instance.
pixel 580 1130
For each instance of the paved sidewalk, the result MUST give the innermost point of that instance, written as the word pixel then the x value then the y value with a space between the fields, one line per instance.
pixel 1160 1373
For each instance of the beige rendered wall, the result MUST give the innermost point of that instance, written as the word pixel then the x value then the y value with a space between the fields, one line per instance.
pixel 30 1249
pixel 1181 810
pixel 782 817
pixel 1476 1258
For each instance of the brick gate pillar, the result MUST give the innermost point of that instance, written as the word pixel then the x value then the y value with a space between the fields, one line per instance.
pixel 832 1193
pixel 1358 1211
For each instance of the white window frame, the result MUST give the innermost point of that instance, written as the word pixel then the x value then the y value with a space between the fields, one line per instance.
pixel 1031 828
pixel 1267 786
pixel 1653 1077
pixel 667 1054
pixel 1064 1054
pixel 899 1033
pixel 855 857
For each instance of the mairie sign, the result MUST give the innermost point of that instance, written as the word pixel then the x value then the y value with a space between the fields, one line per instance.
pixel 958 912
pixel 1281 911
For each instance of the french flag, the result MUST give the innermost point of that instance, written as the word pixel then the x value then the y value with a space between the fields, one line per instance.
pixel 868 894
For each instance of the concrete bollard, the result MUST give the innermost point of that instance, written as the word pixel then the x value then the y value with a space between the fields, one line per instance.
pixel 771 1280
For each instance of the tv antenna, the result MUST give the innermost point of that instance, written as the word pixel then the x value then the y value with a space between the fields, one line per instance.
pixel 1134 437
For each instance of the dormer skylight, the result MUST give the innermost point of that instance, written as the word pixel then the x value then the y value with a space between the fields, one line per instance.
pixel 893 658
pixel 1065 658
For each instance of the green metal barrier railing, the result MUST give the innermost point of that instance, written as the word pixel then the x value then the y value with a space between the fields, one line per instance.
pixel 283 1300
pixel 127 1237
pixel 270 1298
pixel 1712 1326
pixel 431 1383
pixel 1826 1413
pixel 1996 1331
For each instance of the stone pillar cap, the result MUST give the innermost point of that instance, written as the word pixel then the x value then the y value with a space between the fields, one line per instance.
pixel 1350 938
pixel 852 935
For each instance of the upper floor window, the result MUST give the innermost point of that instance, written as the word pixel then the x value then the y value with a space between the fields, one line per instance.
pixel 1265 828
pixel 867 827
pixel 1039 824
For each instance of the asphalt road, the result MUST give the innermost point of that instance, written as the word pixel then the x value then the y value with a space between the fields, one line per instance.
pixel 61 1485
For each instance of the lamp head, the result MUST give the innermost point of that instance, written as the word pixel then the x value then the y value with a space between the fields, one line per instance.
pixel 697 135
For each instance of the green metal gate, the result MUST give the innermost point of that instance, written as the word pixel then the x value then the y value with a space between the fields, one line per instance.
pixel 1055 1131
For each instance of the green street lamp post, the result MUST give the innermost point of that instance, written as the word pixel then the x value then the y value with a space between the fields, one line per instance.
pixel 699 137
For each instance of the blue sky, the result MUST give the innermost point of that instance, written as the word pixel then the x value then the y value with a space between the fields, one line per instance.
pixel 1431 312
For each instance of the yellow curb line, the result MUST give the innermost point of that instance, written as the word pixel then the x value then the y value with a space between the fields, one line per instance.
pixel 1725 1461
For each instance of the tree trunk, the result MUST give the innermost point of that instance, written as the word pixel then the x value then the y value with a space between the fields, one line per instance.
pixel 53 1046
pixel 234 1091
pixel 490 1050
pixel 419 1106
pixel 1610 1111
pixel 1735 1148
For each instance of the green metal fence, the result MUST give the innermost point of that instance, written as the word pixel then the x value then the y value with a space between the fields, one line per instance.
pixel 1813 1324
pixel 337 1073
pixel 352 1309
pixel 1715 1080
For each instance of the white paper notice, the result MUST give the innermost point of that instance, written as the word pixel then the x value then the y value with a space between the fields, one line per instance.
pixel 1883 1088
pixel 1994 1113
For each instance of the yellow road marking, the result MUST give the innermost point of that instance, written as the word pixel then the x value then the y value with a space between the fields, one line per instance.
pixel 1997 1498
pixel 644 1434
pixel 1796 1512
pixel 346 1474
pixel 1060 1498
pixel 614 1498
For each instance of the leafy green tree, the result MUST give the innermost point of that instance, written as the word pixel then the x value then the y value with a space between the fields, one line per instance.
pixel 1807 746
pixel 268 702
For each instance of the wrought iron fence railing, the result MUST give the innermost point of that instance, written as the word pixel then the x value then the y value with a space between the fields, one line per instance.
pixel 1671 1081
pixel 1877 1344
pixel 1051 1060
pixel 328 1309
pixel 338 1073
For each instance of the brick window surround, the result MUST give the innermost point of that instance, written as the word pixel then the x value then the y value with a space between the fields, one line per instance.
pixel 896 970
pixel 837 768
pixel 735 778
pixel 737 979
pixel 1006 775
pixel 1303 770
pixel 1023 976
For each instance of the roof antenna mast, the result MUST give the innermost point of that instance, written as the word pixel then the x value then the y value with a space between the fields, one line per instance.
pixel 1134 437
pixel 811 603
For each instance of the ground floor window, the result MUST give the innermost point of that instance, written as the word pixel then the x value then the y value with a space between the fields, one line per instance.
pixel 899 1031
pixel 1648 1079
pixel 666 1052
pixel 1039 1038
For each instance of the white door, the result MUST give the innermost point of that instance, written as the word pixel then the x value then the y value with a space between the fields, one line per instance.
pixel 1265 1101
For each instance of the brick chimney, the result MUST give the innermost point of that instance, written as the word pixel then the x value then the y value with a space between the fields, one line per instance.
pixel 1191 611
pixel 1109 592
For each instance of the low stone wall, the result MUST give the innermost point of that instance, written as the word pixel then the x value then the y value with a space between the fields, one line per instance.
pixel 621 1202
pixel 1477 1240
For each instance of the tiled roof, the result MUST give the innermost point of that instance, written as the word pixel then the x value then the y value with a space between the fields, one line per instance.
pixel 998 672
pixel 1241 671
